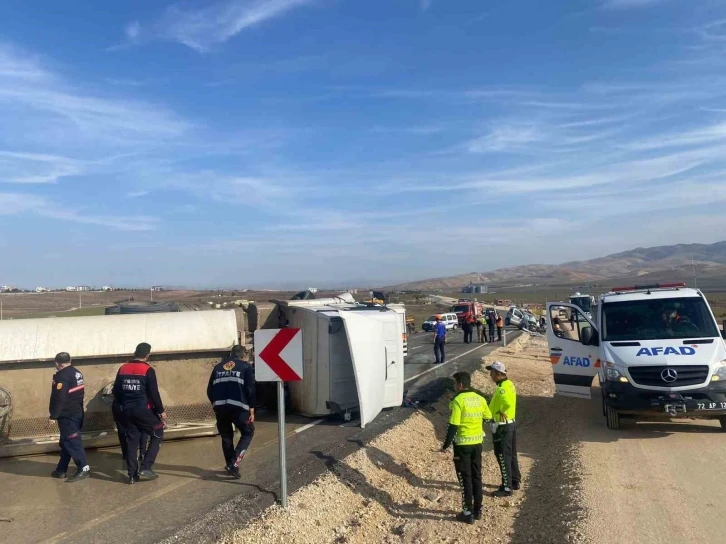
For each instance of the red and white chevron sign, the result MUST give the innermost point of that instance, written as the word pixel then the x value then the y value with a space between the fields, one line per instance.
pixel 278 355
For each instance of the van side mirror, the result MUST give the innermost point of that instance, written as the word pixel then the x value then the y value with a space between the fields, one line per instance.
pixel 589 337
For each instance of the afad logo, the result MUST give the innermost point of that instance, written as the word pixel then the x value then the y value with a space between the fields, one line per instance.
pixel 577 361
pixel 669 350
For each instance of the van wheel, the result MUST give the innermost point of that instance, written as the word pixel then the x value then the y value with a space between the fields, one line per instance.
pixel 604 407
pixel 454 327
pixel 613 418
pixel 722 421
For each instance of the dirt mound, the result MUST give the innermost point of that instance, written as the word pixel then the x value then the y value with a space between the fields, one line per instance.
pixel 401 488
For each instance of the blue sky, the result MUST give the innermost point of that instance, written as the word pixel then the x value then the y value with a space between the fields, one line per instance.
pixel 321 142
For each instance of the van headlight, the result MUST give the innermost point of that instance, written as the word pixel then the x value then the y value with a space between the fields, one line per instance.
pixel 720 373
pixel 612 374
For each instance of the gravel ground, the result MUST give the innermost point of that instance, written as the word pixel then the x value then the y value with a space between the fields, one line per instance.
pixel 400 488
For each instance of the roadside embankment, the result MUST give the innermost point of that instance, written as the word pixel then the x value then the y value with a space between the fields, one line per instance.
pixel 401 488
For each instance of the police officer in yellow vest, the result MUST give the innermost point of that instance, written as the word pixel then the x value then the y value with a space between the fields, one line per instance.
pixel 503 407
pixel 469 411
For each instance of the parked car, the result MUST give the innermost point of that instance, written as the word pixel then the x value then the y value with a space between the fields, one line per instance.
pixel 450 320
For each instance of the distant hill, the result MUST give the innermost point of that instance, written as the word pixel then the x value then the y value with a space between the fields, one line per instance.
pixel 662 261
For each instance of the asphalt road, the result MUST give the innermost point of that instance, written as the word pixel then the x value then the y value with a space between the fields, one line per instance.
pixel 193 498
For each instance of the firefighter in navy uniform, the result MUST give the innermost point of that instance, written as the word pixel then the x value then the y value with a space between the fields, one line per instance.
pixel 66 408
pixel 231 391
pixel 118 418
pixel 469 412
pixel 136 391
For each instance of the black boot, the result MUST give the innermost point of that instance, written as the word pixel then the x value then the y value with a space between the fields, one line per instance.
pixel 506 492
pixel 233 471
pixel 466 517
pixel 58 475
pixel 80 475
pixel 147 475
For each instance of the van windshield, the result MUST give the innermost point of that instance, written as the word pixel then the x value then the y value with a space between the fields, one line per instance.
pixel 584 303
pixel 657 319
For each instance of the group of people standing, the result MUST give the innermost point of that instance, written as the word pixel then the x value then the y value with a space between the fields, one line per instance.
pixel 140 417
pixel 485 325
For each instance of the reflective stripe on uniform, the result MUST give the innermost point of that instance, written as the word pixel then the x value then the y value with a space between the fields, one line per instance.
pixel 228 379
pixel 232 402
pixel 478 439
pixel 77 388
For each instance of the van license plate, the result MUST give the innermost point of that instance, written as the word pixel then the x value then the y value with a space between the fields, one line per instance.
pixel 711 406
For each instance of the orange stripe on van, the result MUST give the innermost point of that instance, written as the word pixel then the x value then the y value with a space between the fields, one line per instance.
pixel 554 359
pixel 597 364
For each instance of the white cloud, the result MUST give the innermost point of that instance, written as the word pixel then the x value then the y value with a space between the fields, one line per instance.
pixel 132 30
pixel 506 138
pixel 36 168
pixel 627 4
pixel 204 28
pixel 275 192
pixel 21 203
pixel 137 194
pixel 34 94
pixel 706 135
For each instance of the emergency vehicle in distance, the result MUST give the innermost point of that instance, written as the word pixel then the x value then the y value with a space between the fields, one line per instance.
pixel 658 352
pixel 584 302
pixel 465 308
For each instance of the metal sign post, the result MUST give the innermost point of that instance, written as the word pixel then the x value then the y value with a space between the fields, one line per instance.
pixel 279 359
pixel 281 438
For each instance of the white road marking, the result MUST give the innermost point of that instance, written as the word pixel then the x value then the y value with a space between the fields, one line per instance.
pixel 416 347
pixel 306 427
pixel 446 363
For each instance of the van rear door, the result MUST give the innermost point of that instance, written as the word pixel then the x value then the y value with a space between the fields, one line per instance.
pixel 368 353
pixel 574 363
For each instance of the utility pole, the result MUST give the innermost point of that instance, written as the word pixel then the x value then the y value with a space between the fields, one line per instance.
pixel 695 282
pixel 151 290
pixel 80 301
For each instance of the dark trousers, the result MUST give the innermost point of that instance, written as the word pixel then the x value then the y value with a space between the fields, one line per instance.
pixel 468 332
pixel 440 350
pixel 505 448
pixel 467 462
pixel 118 418
pixel 137 421
pixel 71 443
pixel 226 417
pixel 491 333
pixel 499 333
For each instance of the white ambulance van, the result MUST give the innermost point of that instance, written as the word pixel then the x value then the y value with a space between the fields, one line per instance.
pixel 658 353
